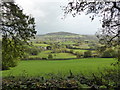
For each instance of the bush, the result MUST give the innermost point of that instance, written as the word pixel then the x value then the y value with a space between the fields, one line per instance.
pixel 39 84
pixel 50 56
pixel 25 56
pixel 71 51
pixel 43 58
pixel 78 54
pixel 87 54
pixel 32 50
pixel 109 53
pixel 109 80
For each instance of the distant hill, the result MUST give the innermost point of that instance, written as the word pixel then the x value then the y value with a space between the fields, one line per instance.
pixel 63 36
pixel 61 33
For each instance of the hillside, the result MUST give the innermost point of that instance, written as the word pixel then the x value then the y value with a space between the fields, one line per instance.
pixel 61 33
pixel 65 36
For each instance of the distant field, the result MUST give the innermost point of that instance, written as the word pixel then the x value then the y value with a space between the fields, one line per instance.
pixel 42 45
pixel 44 54
pixel 63 55
pixel 68 42
pixel 84 46
pixel 78 50
pixel 37 67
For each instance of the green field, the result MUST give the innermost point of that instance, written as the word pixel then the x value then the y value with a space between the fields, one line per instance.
pixel 78 50
pixel 37 67
pixel 63 55
pixel 44 54
pixel 42 45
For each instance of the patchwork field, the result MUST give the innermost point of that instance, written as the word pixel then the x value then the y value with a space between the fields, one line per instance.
pixel 42 45
pixel 43 67
pixel 78 50
pixel 44 54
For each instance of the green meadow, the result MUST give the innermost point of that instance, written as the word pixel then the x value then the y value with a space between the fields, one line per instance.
pixel 42 45
pixel 55 55
pixel 86 66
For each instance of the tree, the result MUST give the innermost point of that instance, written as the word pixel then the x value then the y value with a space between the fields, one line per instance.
pixel 50 56
pixel 78 54
pixel 17 28
pixel 48 47
pixel 109 53
pixel 87 54
pixel 110 18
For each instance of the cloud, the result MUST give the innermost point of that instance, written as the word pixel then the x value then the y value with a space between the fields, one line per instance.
pixel 38 13
pixel 48 15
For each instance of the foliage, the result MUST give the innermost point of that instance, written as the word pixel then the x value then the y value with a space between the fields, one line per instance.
pixel 71 51
pixel 107 80
pixel 109 53
pixel 10 53
pixel 33 50
pixel 40 83
pixel 79 54
pixel 87 54
pixel 50 56
pixel 17 28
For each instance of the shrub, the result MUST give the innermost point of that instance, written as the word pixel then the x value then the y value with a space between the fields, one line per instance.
pixel 87 54
pixel 109 80
pixel 43 58
pixel 71 51
pixel 32 50
pixel 78 54
pixel 50 56
pixel 109 53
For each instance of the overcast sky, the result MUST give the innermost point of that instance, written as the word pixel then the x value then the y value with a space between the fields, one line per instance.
pixel 48 14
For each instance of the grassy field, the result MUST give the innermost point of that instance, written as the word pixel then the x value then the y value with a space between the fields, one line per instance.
pixel 42 45
pixel 85 46
pixel 68 43
pixel 43 67
pixel 44 54
pixel 78 50
pixel 63 55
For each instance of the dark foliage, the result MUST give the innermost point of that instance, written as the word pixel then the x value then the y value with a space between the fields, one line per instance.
pixel 17 28
pixel 87 54
pixel 50 56
pixel 106 80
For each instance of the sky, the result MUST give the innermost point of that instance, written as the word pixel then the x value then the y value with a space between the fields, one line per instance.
pixel 48 14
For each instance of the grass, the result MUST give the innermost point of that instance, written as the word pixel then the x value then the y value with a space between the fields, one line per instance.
pixel 44 54
pixel 84 46
pixel 78 50
pixel 68 42
pixel 43 67
pixel 42 45
pixel 63 55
